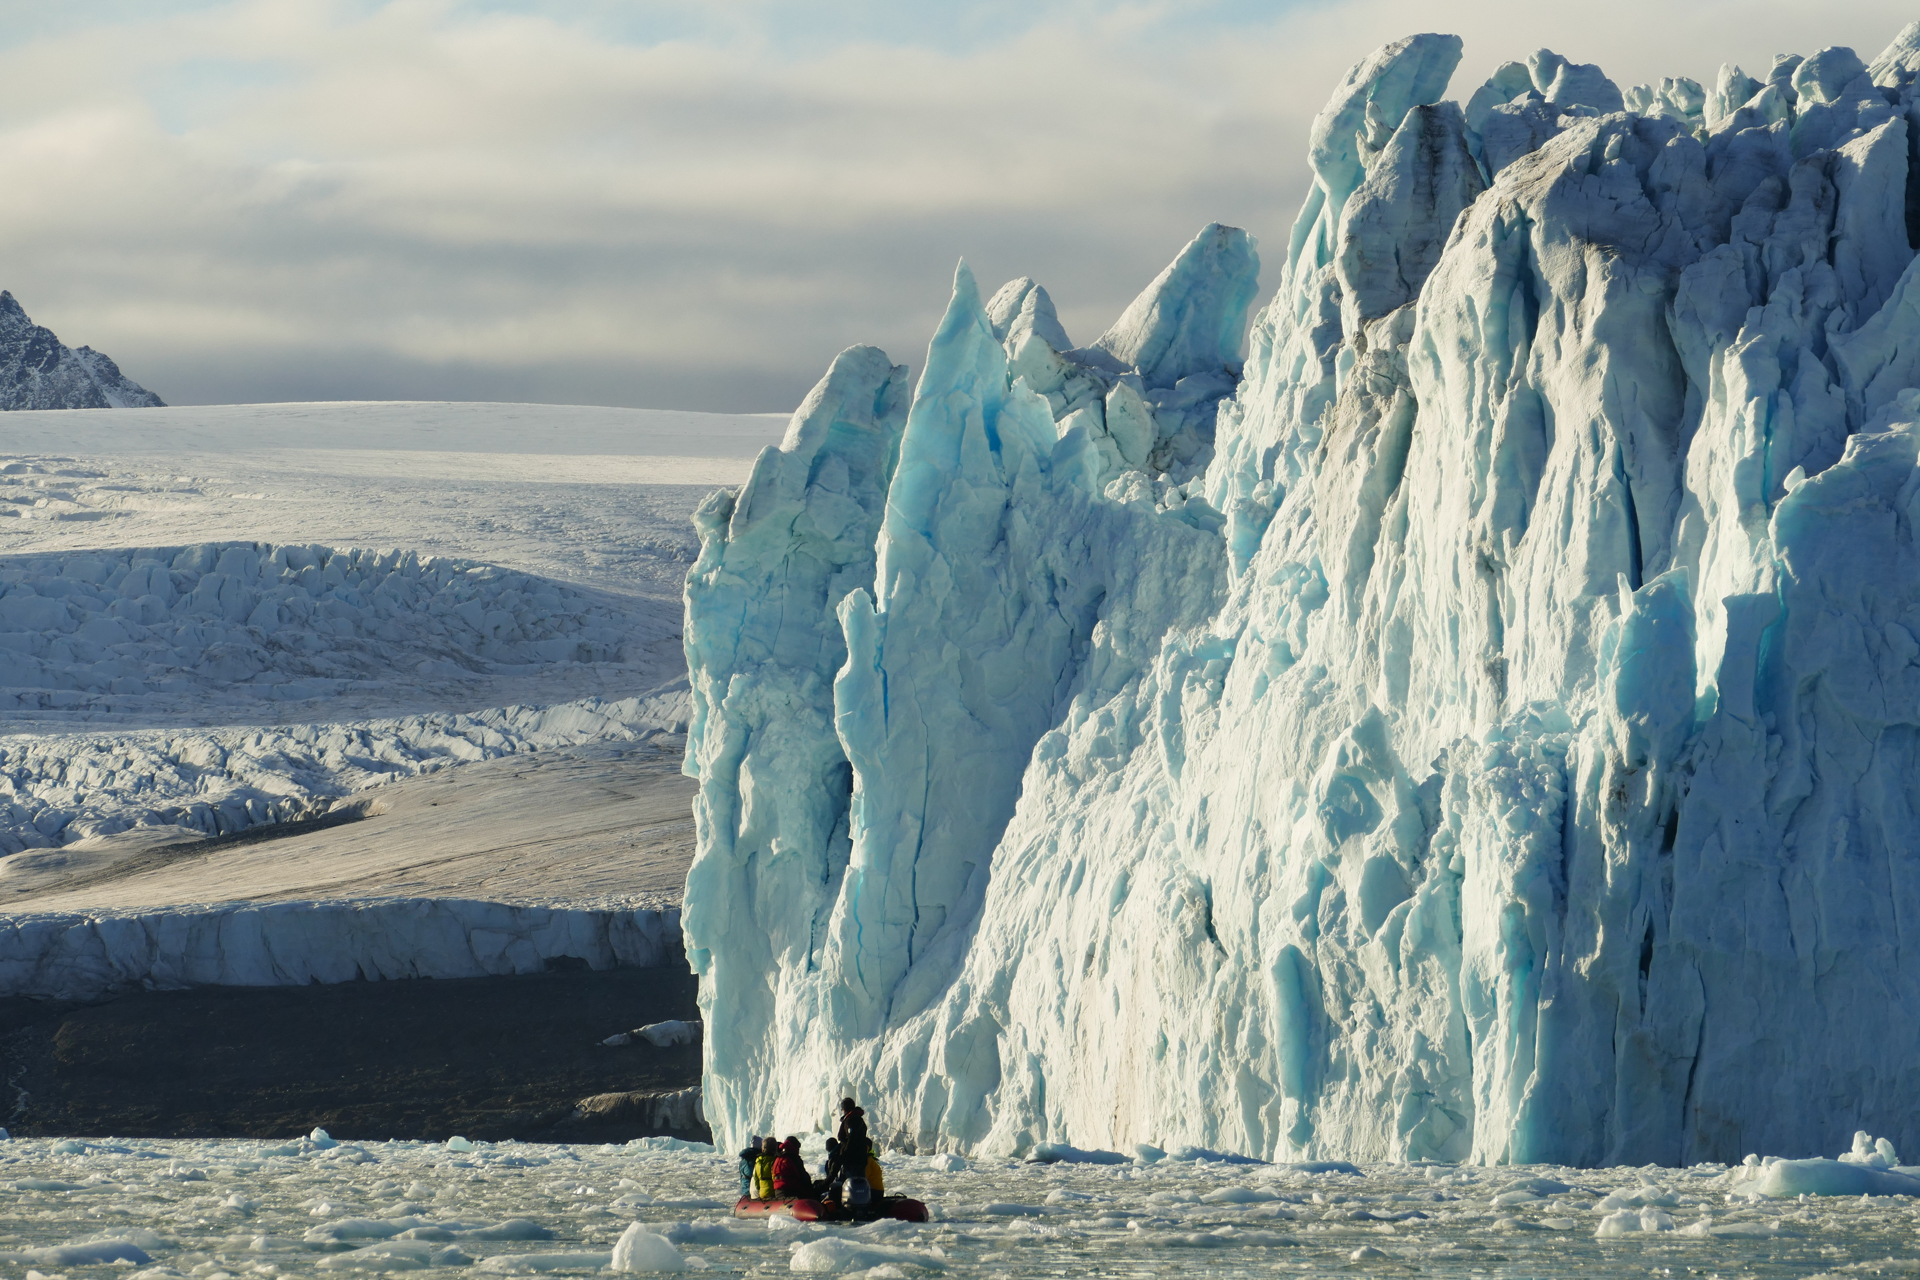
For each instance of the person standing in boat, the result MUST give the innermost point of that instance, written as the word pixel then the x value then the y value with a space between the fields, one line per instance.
pixel 855 1147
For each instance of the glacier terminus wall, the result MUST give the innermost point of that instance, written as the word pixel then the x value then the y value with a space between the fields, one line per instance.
pixel 1475 717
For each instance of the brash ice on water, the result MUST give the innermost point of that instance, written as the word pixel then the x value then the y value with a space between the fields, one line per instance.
pixel 1484 725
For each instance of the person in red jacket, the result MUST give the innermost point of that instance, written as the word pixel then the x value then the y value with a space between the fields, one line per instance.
pixel 790 1177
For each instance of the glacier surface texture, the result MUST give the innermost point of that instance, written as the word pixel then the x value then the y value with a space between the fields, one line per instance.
pixel 1477 718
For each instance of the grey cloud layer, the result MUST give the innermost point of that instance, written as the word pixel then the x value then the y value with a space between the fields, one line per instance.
pixel 295 200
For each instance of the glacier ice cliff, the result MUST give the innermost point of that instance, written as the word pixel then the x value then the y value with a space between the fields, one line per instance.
pixel 1481 723
pixel 38 371
pixel 87 956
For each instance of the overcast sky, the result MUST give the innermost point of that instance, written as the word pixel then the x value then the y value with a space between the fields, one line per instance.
pixel 684 205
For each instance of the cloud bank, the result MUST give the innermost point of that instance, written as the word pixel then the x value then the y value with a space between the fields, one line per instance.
pixel 678 205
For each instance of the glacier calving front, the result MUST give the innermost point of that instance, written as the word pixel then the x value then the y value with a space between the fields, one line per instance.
pixel 1484 726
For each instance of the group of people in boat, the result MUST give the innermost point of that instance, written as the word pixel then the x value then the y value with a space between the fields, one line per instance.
pixel 771 1169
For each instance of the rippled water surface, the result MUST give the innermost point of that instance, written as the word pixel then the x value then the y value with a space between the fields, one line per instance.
pixel 243 1209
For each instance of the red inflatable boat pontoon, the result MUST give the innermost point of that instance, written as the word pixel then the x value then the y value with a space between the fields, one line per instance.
pixel 900 1207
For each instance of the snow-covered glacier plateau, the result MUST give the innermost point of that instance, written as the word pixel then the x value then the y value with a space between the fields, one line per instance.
pixel 446 634
pixel 1477 718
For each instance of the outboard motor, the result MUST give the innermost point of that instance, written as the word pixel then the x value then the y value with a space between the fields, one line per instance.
pixel 858 1192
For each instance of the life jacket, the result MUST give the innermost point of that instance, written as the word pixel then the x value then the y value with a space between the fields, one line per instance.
pixel 876 1179
pixel 763 1177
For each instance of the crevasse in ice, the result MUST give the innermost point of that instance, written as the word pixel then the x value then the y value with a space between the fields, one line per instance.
pixel 1485 725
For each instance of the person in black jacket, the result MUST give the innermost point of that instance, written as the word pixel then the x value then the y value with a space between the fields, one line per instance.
pixel 855 1146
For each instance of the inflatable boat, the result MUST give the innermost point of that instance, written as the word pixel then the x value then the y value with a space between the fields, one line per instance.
pixel 901 1207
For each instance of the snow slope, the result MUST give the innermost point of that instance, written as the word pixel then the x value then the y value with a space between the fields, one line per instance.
pixel 38 371
pixel 1499 746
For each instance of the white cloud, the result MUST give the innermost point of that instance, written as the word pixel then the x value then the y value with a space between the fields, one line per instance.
pixel 688 205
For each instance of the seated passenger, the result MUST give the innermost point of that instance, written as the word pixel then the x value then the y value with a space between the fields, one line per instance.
pixel 876 1179
pixel 763 1169
pixel 747 1160
pixel 790 1178
pixel 831 1169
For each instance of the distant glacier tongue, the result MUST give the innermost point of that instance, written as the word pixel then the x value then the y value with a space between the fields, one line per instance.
pixel 1483 725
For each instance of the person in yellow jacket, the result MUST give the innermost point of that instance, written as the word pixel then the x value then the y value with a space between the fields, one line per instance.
pixel 763 1170
pixel 876 1180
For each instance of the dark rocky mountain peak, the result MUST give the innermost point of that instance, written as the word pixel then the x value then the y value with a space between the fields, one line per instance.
pixel 38 371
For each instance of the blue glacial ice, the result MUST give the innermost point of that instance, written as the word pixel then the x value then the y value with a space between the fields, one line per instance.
pixel 1477 720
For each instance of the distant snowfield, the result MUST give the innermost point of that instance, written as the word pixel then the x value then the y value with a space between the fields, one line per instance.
pixel 217 617
pixel 437 426
pixel 588 495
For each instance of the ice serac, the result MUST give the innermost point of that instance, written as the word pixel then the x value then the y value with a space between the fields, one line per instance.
pixel 1498 745
pixel 776 560
pixel 1191 318
pixel 37 371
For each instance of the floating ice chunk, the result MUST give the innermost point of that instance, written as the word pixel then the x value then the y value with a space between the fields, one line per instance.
pixel 363 1228
pixel 1222 1238
pixel 1188 1155
pixel 1326 1166
pixel 1067 1153
pixel 458 1143
pixel 837 1254
pixel 639 1249
pixel 668 1033
pixel 523 1263
pixel 659 1143
pixel 1545 1187
pixel 511 1229
pixel 321 1139
pixel 396 1255
pixel 1633 1221
pixel 1873 1153
pixel 1784 1179
pixel 947 1162
pixel 709 1233
pixel 88 1253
